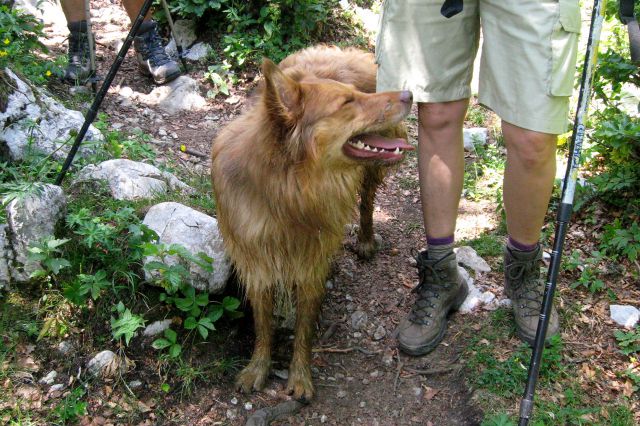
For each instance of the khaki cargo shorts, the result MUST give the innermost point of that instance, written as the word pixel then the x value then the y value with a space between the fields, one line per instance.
pixel 528 58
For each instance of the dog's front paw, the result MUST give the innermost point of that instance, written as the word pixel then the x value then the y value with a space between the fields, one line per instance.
pixel 254 376
pixel 366 250
pixel 300 385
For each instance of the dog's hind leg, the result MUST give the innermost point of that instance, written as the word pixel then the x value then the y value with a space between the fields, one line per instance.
pixel 254 375
pixel 309 300
pixel 366 247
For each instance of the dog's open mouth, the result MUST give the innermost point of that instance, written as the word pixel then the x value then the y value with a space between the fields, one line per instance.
pixel 376 147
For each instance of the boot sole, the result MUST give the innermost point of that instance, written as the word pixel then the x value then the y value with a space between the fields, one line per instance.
pixel 144 71
pixel 430 346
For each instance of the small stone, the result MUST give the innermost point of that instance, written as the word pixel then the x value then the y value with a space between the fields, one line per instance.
pixel 134 384
pixel 102 361
pixel 468 257
pixel 625 315
pixel 417 391
pixel 49 378
pixel 56 388
pixel 231 414
pixel 380 333
pixel 234 401
pixel 341 394
pixel 328 285
pixel 323 418
pixel 248 406
pixel 162 132
pixel 156 328
pixel 374 374
pixel 357 335
pixel 365 381
pixel 281 374
pixel 64 347
pixel 363 404
pixel 387 357
pixel 474 136
pixel 359 319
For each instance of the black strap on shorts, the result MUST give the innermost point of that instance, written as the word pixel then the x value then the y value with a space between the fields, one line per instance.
pixel 452 7
pixel 628 17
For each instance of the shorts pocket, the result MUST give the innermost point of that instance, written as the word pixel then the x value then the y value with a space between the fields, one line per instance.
pixel 564 48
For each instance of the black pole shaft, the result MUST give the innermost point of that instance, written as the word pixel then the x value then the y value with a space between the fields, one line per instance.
pixel 97 101
pixel 564 214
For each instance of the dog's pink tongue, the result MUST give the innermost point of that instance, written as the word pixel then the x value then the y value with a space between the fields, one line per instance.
pixel 380 142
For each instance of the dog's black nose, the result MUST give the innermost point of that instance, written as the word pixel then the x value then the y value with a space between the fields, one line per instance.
pixel 406 96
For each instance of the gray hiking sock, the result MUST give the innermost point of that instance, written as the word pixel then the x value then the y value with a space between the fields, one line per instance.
pixel 438 251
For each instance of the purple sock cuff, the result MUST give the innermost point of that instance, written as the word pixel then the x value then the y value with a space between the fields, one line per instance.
pixel 521 247
pixel 440 241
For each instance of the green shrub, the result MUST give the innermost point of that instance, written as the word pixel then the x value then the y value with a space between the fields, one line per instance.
pixel 20 46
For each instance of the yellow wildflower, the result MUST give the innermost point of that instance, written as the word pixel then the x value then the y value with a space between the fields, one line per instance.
pixel 7 41
pixel 48 73
pixel 3 53
pixel 183 148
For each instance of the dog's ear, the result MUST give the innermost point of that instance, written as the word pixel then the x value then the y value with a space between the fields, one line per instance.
pixel 282 94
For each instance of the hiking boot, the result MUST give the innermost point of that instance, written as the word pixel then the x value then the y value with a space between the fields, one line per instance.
pixel 525 287
pixel 440 291
pixel 78 70
pixel 152 59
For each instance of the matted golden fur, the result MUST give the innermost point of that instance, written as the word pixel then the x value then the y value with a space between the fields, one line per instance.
pixel 286 176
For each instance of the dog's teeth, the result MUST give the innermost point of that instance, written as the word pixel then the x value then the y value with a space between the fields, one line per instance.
pixel 366 148
pixel 397 151
pixel 360 145
pixel 374 150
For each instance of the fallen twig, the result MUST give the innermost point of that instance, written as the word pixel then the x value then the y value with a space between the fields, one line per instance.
pixel 264 416
pixel 433 371
pixel 346 350
pixel 398 371
pixel 195 153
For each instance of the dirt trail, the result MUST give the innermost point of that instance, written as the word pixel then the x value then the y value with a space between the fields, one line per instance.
pixel 360 376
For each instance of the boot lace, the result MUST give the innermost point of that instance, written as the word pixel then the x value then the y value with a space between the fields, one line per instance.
pixel 152 48
pixel 428 291
pixel 528 289
pixel 78 52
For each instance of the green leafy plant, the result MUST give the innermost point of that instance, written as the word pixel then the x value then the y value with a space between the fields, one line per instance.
pixel 47 253
pixel 126 324
pixel 629 341
pixel 589 270
pixel 170 342
pixel 20 46
pixel 619 241
pixel 72 407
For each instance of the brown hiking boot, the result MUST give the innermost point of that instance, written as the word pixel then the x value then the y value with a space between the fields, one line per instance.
pixel 525 287
pixel 440 291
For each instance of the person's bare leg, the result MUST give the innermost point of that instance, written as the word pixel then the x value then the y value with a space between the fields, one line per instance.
pixel 441 169
pixel 441 164
pixel 133 8
pixel 73 10
pixel 528 181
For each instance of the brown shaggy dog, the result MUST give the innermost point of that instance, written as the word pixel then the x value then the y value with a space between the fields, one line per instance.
pixel 286 174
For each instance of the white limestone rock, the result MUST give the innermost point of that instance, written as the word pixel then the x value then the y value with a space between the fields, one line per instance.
pixel 625 315
pixel 52 133
pixel 178 224
pixel 474 136
pixel 30 219
pixel 130 180
pixel 468 257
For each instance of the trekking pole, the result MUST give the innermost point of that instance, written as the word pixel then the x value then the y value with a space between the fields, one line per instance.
pixel 173 35
pixel 564 211
pixel 97 101
pixel 628 17
pixel 92 48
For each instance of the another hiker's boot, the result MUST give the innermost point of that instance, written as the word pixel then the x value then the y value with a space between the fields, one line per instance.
pixel 152 59
pixel 78 70
pixel 440 291
pixel 525 287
